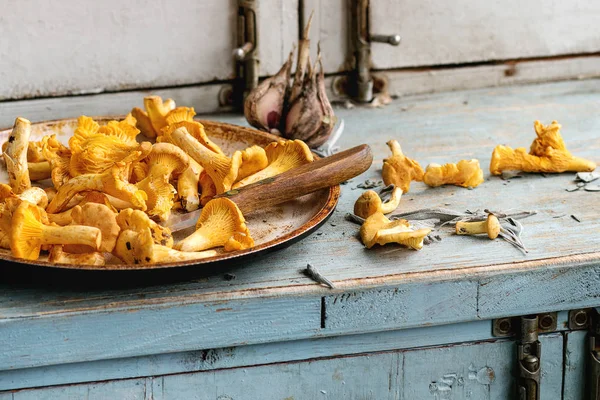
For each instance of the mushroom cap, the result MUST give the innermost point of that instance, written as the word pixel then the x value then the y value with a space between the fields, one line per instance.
pixel 101 217
pixel 367 204
pixel 169 156
pixel 194 128
pixel 548 136
pixel 208 189
pixel 157 111
pixel 282 156
pixel 399 169
pixel 59 157
pixel 254 159
pixel 378 229
pixel 160 196
pixel 143 122
pixel 137 220
pixel 465 173
pixel 218 223
pixel 493 226
pixel 135 247
pixel 25 232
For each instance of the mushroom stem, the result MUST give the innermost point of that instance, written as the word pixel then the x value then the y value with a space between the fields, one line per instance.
pixel 187 187
pixel 38 171
pixel 491 226
pixel 395 148
pixel 72 234
pixel 15 155
pixel 197 241
pixel 393 202
pixel 166 254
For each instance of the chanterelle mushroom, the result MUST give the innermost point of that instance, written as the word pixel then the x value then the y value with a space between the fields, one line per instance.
pixel 57 255
pixel 187 186
pixel 399 169
pixel 29 232
pixel 135 244
pixel 282 156
pixel 154 119
pixel 137 220
pixel 221 223
pixel 15 155
pixel 221 169
pixel 101 217
pixel 208 188
pixel 65 217
pixel 112 182
pixel 254 159
pixel 183 117
pixel 165 161
pixel 34 195
pixel 59 157
pixel 466 173
pixel 378 229
pixel 548 153
pixel 370 203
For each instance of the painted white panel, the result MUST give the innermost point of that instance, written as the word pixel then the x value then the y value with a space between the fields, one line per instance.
pixel 63 47
pixel 459 31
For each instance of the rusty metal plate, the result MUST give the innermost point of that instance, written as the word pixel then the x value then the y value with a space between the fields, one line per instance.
pixel 274 227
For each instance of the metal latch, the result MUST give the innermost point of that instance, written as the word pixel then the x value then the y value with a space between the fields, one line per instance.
pixel 594 358
pixel 529 352
pixel 361 88
pixel 246 54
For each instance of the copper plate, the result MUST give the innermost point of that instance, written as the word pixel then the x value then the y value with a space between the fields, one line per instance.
pixel 272 228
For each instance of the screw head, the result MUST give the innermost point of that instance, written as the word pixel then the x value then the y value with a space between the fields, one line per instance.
pixel 394 40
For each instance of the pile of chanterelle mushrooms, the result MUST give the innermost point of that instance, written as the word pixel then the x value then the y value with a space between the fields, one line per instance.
pixel 109 193
pixel 547 154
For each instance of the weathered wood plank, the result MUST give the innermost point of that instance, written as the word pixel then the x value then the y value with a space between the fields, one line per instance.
pixel 125 389
pixel 243 356
pixel 161 329
pixel 476 371
pixel 372 377
pixel 576 358
pixel 91 47
pixel 408 306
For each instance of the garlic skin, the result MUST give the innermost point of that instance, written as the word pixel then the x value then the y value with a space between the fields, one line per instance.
pixel 263 106
pixel 310 117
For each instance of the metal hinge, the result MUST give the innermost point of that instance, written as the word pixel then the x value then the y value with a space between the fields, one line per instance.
pixel 529 351
pixel 360 86
pixel 246 54
pixel 509 326
pixel 594 357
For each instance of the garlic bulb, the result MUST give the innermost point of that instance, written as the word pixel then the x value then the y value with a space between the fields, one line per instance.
pixel 263 106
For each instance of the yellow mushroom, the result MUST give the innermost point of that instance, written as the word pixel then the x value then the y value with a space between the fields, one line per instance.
pixel 491 226
pixel 101 217
pixel 254 159
pixel 29 232
pixel 34 151
pixel 370 203
pixel 136 244
pixel 113 182
pixel 59 158
pixel 38 171
pixel 7 207
pixel 282 156
pixel 221 223
pixel 151 121
pixel 95 148
pixel 137 220
pixel 15 155
pixel 399 169
pixel 466 173
pixel 221 169
pixel 548 154
pixel 59 256
pixel 65 217
pixel 378 229
pixel 208 189
pixel 183 117
pixel 34 195
pixel 165 161
pixel 187 186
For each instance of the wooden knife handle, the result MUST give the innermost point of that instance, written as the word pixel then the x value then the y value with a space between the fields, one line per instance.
pixel 308 178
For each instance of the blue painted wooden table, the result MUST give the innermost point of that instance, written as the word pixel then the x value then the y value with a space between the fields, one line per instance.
pixel 400 324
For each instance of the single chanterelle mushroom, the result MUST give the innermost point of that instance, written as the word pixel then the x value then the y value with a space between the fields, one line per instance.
pixel 378 229
pixel 59 256
pixel 137 220
pixel 95 148
pixel 187 186
pixel 254 159
pixel 183 117
pixel 136 245
pixel 399 169
pixel 282 156
pixel 548 153
pixel 151 121
pixel 165 161
pixel 29 232
pixel 34 195
pixel 65 217
pixel 466 173
pixel 101 217
pixel 370 203
pixel 221 223
pixel 221 169
pixel 34 151
pixel 59 157
pixel 113 182
pixel 491 226
pixel 208 189
pixel 15 155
